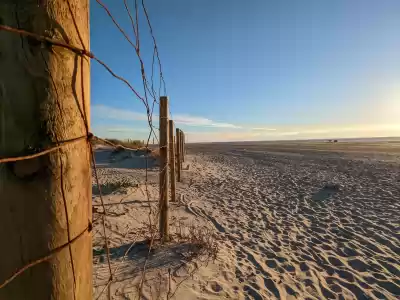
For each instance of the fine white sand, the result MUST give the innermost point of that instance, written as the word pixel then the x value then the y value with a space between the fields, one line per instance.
pixel 171 271
pixel 289 225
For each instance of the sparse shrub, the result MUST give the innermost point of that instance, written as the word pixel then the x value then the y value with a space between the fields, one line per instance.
pixel 111 187
pixel 125 143
pixel 201 240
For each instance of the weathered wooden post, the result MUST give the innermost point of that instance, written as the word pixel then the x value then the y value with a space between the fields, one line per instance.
pixel 182 149
pixel 163 203
pixel 184 145
pixel 172 160
pixel 178 154
pixel 45 201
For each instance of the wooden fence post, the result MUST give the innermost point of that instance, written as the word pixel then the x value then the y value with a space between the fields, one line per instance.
pixel 178 155
pixel 172 160
pixel 182 149
pixel 46 201
pixel 184 146
pixel 163 203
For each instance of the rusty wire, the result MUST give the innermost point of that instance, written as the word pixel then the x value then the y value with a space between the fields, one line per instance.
pixel 146 89
pixel 132 21
pixel 103 216
pixel 46 151
pixel 84 117
pixel 49 42
pixel 59 145
pixel 44 258
pixel 137 51
pixel 155 47
pixel 116 23
pixel 152 93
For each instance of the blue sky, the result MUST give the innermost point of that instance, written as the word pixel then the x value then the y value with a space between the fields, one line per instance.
pixel 254 70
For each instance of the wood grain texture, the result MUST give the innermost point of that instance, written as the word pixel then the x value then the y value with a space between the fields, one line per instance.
pixel 163 204
pixel 45 201
pixel 172 160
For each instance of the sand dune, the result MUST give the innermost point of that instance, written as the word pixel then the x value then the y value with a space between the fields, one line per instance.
pixel 169 267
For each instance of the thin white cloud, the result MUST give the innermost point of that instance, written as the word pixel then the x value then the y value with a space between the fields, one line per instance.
pixel 120 130
pixel 126 129
pixel 287 133
pixel 200 121
pixel 210 130
pixel 263 129
pixel 107 112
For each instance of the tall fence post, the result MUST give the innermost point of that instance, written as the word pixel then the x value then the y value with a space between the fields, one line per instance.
pixel 172 160
pixel 184 145
pixel 181 145
pixel 45 201
pixel 163 203
pixel 178 154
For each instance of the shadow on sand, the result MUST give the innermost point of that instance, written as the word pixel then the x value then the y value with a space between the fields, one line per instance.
pixel 169 256
pixel 127 159
pixel 142 202
pixel 326 192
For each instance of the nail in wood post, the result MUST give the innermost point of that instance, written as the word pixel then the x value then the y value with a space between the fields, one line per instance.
pixel 163 204
pixel 172 160
pixel 178 155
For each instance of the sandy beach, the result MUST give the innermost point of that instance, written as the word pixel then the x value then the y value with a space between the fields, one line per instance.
pixel 291 221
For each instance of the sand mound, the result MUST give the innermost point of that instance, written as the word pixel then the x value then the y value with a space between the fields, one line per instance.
pixel 185 268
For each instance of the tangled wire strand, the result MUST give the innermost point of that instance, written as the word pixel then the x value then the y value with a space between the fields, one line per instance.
pixel 148 88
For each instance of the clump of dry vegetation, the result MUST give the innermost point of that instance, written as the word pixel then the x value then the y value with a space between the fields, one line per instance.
pixel 194 246
pixel 127 143
pixel 111 187
pixel 201 239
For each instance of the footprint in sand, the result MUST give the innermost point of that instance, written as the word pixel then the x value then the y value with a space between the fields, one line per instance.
pixel 215 287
